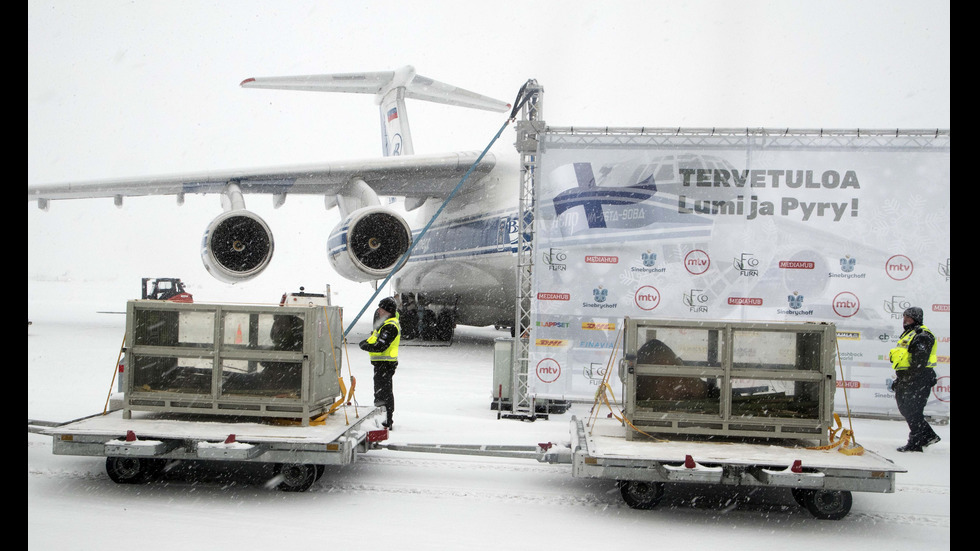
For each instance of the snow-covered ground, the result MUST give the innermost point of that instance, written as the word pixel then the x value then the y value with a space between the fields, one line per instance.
pixel 401 500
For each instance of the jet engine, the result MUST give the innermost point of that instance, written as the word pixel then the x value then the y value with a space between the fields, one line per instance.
pixel 367 244
pixel 237 246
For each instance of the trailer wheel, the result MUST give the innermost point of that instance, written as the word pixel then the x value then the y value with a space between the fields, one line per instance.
pixel 641 495
pixel 296 477
pixel 826 504
pixel 132 470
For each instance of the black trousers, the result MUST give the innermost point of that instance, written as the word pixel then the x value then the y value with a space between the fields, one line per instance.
pixel 912 393
pixel 384 393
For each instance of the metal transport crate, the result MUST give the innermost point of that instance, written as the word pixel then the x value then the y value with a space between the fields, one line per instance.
pixel 246 360
pixel 729 379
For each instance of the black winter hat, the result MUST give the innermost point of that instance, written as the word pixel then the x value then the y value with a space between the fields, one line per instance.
pixel 915 313
pixel 388 304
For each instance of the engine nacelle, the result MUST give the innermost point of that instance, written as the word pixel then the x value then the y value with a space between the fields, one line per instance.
pixel 367 244
pixel 237 246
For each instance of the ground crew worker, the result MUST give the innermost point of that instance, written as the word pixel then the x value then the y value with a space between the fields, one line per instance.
pixel 914 361
pixel 382 347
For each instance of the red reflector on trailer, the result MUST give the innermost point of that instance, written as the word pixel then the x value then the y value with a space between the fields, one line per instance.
pixel 797 466
pixel 377 435
pixel 689 462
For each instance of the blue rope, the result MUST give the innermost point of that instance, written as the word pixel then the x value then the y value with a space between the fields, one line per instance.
pixel 408 253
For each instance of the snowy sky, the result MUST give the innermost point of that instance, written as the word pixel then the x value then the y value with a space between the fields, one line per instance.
pixel 122 88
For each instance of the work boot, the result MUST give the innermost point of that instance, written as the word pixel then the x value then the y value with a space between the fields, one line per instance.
pixel 934 440
pixel 389 424
pixel 910 448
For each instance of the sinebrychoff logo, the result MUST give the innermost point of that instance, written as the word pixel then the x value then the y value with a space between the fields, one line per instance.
pixel 847 266
pixel 944 270
pixel 899 267
pixel 795 302
pixel 895 306
pixel 746 264
pixel 696 300
pixel 599 295
pixel 555 259
pixel 649 260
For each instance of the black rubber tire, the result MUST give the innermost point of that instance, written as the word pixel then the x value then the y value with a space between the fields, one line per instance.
pixel 639 494
pixel 445 326
pixel 132 470
pixel 296 477
pixel 827 504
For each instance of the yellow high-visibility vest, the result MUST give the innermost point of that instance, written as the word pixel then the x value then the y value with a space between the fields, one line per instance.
pixel 900 356
pixel 389 354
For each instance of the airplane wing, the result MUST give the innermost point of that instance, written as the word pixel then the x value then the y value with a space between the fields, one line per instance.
pixel 417 176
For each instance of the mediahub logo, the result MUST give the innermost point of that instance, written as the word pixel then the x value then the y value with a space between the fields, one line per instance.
pixel 944 270
pixel 896 306
pixel 847 265
pixel 548 370
pixel 846 304
pixel 796 265
pixel 697 262
pixel 696 301
pixel 649 261
pixel 795 302
pixel 898 267
pixel 744 301
pixel 746 264
pixel 600 259
pixel 600 296
pixel 647 297
pixel 555 259
pixel 554 296
pixel 944 308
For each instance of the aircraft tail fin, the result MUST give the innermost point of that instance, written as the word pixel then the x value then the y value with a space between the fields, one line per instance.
pixel 390 89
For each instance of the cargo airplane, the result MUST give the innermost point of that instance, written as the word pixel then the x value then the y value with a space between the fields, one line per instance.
pixel 462 271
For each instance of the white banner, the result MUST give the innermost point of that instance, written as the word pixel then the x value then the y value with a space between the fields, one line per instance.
pixel 843 229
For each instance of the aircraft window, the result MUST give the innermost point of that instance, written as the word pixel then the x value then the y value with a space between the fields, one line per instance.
pixel 664 173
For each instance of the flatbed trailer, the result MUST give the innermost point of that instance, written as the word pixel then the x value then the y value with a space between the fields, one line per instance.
pixel 139 448
pixel 821 480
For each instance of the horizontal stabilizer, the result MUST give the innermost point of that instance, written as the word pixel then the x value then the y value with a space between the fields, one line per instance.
pixel 380 83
